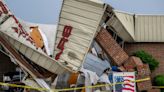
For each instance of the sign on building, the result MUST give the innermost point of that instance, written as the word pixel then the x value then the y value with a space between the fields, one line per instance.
pixel 124 82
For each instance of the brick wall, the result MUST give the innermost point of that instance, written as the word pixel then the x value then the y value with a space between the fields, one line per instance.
pixel 155 49
pixel 110 46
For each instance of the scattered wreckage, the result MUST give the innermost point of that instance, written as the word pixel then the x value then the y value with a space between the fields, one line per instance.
pixel 84 44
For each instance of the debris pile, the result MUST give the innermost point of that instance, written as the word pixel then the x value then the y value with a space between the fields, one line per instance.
pixel 86 50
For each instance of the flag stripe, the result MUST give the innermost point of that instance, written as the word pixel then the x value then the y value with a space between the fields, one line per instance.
pixel 128 89
pixel 129 85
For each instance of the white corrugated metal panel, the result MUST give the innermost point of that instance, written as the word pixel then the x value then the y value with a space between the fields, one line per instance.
pixel 84 17
pixel 21 39
pixel 127 21
pixel 97 1
pixel 149 28
pixel 38 58
pixel 119 28
pixel 5 11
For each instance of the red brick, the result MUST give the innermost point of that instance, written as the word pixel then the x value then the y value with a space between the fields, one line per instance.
pixel 144 85
pixel 143 70
pixel 132 62
pixel 110 46
pixel 155 49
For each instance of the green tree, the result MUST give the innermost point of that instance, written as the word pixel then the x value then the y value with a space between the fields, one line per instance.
pixel 147 58
pixel 159 80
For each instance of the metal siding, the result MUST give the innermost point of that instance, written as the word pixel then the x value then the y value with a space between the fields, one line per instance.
pixel 6 37
pixel 7 24
pixel 158 28
pixel 121 22
pixel 139 28
pixel 31 53
pixel 79 34
pixel 11 41
pixel 142 33
pixel 78 56
pixel 149 28
pixel 80 12
pixel 35 57
pixel 140 24
pixel 79 19
pixel 145 28
pixel 162 27
pixel 48 64
pixel 23 49
pixel 136 28
pixel 154 29
pixel 84 17
pixel 78 31
pixel 127 21
pixel 17 44
pixel 76 40
pixel 55 67
pixel 42 60
pixel 76 47
pixel 84 6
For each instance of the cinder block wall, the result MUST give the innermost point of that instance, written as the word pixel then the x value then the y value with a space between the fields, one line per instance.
pixel 155 49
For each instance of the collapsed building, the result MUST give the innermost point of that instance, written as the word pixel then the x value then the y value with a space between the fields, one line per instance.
pixel 90 35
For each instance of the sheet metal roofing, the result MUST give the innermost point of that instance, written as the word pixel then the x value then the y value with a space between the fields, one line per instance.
pixel 149 28
pixel 142 28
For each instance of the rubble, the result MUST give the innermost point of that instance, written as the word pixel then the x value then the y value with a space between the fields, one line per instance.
pixel 143 70
pixel 133 62
pixel 110 46
pixel 144 85
pixel 74 48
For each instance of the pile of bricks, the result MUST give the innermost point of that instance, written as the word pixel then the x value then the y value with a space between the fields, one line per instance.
pixel 144 72
pixel 125 63
pixel 144 85
pixel 111 47
pixel 132 63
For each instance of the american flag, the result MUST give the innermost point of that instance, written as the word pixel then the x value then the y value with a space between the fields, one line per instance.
pixel 127 86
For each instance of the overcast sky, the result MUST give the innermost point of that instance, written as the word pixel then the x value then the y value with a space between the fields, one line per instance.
pixel 47 11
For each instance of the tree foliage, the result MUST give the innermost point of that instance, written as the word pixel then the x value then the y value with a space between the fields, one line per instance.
pixel 147 58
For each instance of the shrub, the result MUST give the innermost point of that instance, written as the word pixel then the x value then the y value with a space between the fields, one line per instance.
pixel 159 80
pixel 147 58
